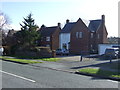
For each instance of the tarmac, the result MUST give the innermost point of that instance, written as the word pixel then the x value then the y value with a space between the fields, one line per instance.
pixel 72 64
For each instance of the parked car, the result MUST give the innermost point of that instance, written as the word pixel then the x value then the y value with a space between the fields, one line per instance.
pixel 1 50
pixel 65 51
pixel 62 52
pixel 111 52
pixel 58 51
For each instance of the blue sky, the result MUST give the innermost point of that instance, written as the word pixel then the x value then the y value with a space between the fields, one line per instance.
pixel 50 12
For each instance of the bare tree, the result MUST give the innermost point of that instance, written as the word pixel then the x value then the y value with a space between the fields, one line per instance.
pixel 4 21
pixel 4 24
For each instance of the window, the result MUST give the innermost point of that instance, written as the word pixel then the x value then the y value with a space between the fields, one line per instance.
pixel 91 35
pixel 98 36
pixel 47 38
pixel 91 46
pixel 80 34
pixel 47 45
pixel 77 34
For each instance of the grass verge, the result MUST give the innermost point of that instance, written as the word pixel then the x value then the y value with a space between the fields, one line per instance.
pixel 19 60
pixel 100 72
pixel 49 59
pixel 29 61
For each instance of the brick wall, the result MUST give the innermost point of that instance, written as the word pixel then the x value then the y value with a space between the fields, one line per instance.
pixel 77 44
pixel 55 40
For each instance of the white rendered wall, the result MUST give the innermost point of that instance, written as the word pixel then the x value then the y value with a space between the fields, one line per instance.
pixel 64 38
pixel 102 47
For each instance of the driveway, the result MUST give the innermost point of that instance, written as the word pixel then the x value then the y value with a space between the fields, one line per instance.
pixel 71 63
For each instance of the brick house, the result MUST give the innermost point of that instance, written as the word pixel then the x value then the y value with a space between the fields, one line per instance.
pixel 83 36
pixel 79 38
pixel 75 37
pixel 98 33
pixel 50 36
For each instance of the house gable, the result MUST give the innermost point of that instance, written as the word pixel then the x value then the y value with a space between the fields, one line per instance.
pixel 102 33
pixel 80 42
pixel 98 28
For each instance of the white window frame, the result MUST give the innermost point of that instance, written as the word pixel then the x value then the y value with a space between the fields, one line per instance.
pixel 91 35
pixel 98 36
pixel 47 38
pixel 91 46
pixel 77 34
pixel 80 34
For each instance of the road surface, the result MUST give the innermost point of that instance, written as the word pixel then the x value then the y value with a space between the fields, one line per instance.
pixel 26 76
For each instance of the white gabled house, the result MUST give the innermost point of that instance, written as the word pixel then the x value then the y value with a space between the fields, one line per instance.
pixel 64 36
pixel 83 35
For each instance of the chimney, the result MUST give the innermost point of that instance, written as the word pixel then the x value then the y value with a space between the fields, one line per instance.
pixel 67 21
pixel 43 26
pixel 59 24
pixel 103 18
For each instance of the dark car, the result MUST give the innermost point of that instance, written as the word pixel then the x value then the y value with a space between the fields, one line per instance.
pixel 65 52
pixel 59 52
pixel 62 52
pixel 111 52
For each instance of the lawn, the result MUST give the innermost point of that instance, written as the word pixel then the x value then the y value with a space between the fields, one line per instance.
pixel 113 65
pixel 100 72
pixel 19 60
pixel 49 59
pixel 30 60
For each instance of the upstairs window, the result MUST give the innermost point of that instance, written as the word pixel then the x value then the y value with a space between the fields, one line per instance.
pixel 80 34
pixel 91 46
pixel 47 38
pixel 77 34
pixel 91 35
pixel 98 36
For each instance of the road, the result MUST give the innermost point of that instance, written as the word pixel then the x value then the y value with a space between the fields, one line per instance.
pixel 27 76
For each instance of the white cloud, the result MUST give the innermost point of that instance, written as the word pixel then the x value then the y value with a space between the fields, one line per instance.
pixel 15 27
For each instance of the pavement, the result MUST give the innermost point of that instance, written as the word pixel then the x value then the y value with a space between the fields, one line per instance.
pixel 16 75
pixel 73 63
